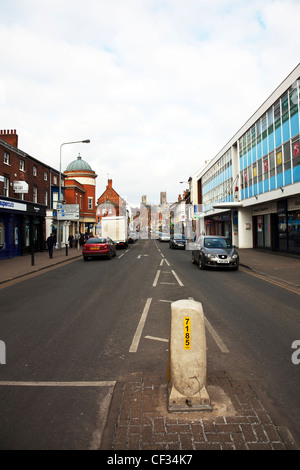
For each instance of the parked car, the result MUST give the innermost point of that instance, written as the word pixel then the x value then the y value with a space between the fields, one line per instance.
pixel 98 247
pixel 215 251
pixel 164 237
pixel 177 241
pixel 132 237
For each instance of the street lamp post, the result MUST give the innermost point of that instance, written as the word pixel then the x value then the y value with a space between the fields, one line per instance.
pixel 87 141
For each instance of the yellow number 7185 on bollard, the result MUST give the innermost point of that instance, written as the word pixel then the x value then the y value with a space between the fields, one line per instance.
pixel 187 332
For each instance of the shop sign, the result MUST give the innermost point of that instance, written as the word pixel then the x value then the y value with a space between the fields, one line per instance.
pixel 265 209
pixel 294 204
pixel 20 187
pixel 36 209
pixel 15 206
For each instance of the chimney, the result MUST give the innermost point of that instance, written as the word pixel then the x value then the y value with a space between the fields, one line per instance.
pixel 10 137
pixel 109 184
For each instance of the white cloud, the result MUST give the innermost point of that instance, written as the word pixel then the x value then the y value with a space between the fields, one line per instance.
pixel 158 86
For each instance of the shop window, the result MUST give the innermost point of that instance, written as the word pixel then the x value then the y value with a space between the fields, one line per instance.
pixel 294 230
pixel 2 236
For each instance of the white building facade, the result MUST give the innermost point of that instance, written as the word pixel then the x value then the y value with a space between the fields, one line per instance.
pixel 250 191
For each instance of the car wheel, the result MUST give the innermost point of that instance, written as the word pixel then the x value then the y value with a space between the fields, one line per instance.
pixel 200 263
pixel 85 258
pixel 193 260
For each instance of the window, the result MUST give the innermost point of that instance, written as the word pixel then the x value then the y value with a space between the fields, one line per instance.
pixel 266 168
pixel 90 203
pixel 35 199
pixel 45 176
pixel 279 160
pixel 287 155
pixel 6 158
pixel 259 169
pixel 55 200
pixel 2 236
pixel 54 179
pixel 254 172
pixel 22 165
pixel 277 111
pixel 272 164
pixel 6 187
pixel 34 171
pixel 296 152
pixel 46 198
pixel 284 104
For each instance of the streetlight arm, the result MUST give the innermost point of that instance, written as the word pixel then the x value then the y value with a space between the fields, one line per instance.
pixel 86 141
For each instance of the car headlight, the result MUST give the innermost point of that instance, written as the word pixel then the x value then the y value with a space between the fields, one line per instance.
pixel 234 256
pixel 209 255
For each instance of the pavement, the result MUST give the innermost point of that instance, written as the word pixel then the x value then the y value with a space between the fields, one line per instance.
pixel 138 417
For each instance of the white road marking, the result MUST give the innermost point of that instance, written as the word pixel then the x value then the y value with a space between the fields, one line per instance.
pixel 216 337
pixel 164 259
pixel 214 334
pixel 138 333
pixel 155 338
pixel 177 279
pixel 156 279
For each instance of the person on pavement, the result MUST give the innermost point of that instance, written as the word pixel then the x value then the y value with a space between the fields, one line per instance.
pixel 50 243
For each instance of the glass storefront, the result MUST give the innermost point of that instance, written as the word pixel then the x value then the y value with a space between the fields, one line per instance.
pixel 294 231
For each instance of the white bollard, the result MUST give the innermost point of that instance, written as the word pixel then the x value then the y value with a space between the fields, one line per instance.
pixel 187 367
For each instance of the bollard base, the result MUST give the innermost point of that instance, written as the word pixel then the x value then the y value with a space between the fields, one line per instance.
pixel 199 402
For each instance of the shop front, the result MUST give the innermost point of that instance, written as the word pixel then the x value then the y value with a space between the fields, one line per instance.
pixel 277 225
pixel 219 224
pixel 21 227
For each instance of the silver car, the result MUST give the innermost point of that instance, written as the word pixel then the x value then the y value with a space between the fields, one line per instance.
pixel 215 251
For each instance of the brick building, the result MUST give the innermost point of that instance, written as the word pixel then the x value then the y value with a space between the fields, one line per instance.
pixel 28 191
pixel 110 203
pixel 80 188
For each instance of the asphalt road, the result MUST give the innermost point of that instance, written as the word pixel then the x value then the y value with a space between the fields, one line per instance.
pixel 72 331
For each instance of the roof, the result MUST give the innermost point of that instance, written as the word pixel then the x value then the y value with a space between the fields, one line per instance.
pixel 78 165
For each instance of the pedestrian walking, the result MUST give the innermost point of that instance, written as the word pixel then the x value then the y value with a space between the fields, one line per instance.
pixel 51 242
pixel 76 239
pixel 71 238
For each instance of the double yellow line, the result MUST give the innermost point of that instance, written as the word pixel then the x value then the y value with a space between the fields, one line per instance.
pixel 275 282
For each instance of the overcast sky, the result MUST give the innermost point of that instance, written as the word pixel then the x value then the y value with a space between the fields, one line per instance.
pixel 158 86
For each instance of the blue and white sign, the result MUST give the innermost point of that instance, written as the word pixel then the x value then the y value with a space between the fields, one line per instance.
pixel 11 205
